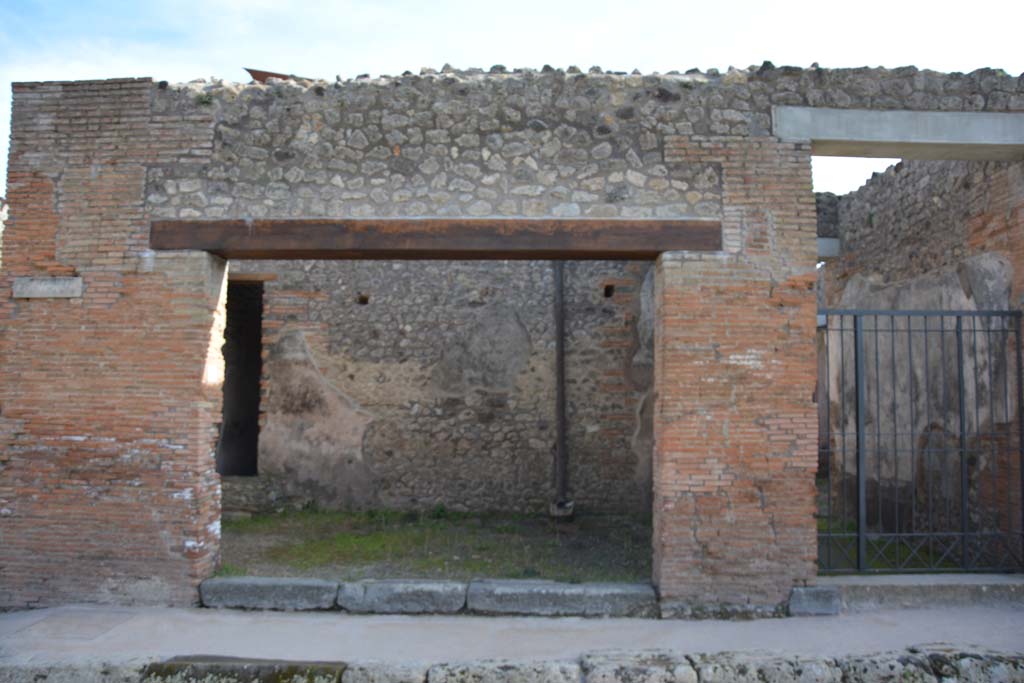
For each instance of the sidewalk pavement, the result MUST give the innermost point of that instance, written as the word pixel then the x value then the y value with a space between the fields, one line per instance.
pixel 121 636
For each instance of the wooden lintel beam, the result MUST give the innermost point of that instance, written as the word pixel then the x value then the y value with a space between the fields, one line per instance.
pixel 252 277
pixel 440 238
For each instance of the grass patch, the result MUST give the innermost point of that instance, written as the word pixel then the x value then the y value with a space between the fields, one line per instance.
pixel 229 570
pixel 438 543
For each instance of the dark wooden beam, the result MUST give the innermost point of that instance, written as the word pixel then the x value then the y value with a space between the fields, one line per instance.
pixel 440 238
pixel 251 277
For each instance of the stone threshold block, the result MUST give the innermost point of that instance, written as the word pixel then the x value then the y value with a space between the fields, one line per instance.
pixel 397 596
pixel 553 599
pixel 257 592
pixel 872 592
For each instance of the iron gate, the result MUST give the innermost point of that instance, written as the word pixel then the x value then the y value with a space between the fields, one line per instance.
pixel 920 433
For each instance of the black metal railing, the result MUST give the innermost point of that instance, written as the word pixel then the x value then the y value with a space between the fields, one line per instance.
pixel 920 441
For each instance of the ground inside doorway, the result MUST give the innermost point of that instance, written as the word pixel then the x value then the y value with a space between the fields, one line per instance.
pixel 439 544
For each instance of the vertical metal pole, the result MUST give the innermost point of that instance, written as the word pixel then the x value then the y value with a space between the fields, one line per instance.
pixel 561 446
pixel 898 530
pixel 963 439
pixel 826 402
pixel 862 504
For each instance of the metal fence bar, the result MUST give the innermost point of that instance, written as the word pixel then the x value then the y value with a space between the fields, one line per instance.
pixel 913 460
pixel 928 450
pixel 921 313
pixel 825 400
pixel 862 502
pixel 906 515
pixel 895 435
pixel 963 439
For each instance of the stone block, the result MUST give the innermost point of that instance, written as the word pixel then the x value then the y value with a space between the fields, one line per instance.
pixel 550 599
pixel 46 288
pixel 815 601
pixel 638 667
pixel 499 671
pixel 221 669
pixel 880 668
pixel 754 668
pixel 254 592
pixel 922 591
pixel 399 596
pixel 385 672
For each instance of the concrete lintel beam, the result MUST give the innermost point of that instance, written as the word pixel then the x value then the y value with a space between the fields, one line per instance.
pixel 903 134
pixel 828 247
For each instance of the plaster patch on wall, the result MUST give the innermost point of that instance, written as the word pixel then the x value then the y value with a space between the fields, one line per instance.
pixel 750 359
pixel 491 354
pixel 313 438
pixel 46 288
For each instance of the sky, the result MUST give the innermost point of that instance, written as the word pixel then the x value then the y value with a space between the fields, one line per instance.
pixel 180 40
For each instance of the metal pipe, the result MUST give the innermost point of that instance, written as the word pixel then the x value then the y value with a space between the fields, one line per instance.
pixel 561 444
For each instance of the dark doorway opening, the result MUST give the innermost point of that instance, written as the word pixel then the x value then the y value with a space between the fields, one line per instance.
pixel 239 440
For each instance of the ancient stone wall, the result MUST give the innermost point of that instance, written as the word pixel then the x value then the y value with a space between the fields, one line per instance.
pixel 491 144
pixel 931 235
pixel 920 217
pixel 107 399
pixel 734 370
pixel 445 371
pixel 118 485
pixel 827 206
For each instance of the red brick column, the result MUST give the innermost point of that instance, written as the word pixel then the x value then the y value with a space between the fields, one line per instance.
pixel 735 365
pixel 108 401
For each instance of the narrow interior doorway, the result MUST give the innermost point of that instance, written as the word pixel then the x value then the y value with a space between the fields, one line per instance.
pixel 239 438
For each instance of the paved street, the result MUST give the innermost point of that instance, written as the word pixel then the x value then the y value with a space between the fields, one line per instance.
pixel 73 635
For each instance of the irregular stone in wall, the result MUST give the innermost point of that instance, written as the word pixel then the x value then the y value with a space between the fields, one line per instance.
pixel 827 205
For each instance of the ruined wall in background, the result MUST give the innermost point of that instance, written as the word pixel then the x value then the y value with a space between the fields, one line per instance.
pixel 416 384
pixel 922 217
pixel 930 235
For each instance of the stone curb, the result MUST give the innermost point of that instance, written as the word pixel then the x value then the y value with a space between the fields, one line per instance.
pixel 815 601
pixel 396 596
pixel 869 598
pixel 257 592
pixel 552 599
pixel 933 664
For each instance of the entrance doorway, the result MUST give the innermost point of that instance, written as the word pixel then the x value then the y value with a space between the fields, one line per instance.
pixel 239 437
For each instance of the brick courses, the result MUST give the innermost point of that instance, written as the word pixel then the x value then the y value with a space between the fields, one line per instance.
pixel 109 402
pixel 734 367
